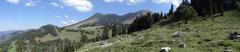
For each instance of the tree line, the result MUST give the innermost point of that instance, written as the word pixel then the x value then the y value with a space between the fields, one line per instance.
pixel 186 11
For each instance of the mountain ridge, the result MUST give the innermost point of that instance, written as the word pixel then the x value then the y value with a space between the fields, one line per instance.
pixel 6 35
pixel 99 19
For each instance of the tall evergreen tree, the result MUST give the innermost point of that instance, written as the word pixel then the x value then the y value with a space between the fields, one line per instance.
pixel 208 7
pixel 114 30
pixel 105 33
pixel 156 17
pixel 171 10
pixel 84 37
pixel 185 2
pixel 141 23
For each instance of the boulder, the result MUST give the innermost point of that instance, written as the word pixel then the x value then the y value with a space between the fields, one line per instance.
pixel 234 35
pixel 165 49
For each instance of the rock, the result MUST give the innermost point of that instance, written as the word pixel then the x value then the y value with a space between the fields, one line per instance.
pixel 182 45
pixel 234 35
pixel 226 49
pixel 165 49
pixel 177 34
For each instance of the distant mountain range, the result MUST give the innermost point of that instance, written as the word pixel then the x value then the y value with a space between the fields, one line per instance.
pixel 99 19
pixel 5 35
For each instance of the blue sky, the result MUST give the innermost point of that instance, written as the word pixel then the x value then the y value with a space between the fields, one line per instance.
pixel 28 14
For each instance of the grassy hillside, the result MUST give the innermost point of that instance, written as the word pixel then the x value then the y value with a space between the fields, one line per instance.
pixel 94 31
pixel 34 40
pixel 201 35
pixel 207 35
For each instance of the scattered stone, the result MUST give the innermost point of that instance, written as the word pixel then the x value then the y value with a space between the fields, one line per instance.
pixel 182 45
pixel 234 35
pixel 227 50
pixel 165 49
pixel 173 40
pixel 177 34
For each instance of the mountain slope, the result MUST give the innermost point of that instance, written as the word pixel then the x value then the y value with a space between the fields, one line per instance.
pixel 5 35
pixel 99 19
pixel 205 35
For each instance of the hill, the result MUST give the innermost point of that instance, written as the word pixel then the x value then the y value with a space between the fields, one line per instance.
pixel 202 35
pixel 191 28
pixel 99 19
pixel 6 35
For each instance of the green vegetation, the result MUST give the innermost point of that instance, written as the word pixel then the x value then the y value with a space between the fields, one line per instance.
pixel 185 12
pixel 199 36
pixel 62 35
pixel 206 29
pixel 13 47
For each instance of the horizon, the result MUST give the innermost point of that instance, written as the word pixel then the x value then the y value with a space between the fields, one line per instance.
pixel 32 14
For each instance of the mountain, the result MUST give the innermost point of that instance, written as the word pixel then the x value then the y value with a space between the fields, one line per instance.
pixel 5 35
pixel 205 35
pixel 99 19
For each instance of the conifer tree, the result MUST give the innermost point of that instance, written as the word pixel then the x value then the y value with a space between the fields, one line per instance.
pixel 171 10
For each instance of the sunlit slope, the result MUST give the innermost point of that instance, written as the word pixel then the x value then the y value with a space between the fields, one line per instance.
pixel 207 35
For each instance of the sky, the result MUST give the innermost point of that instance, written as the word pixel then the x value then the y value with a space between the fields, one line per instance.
pixel 32 14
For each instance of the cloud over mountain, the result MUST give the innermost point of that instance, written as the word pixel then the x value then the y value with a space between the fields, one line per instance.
pixel 79 5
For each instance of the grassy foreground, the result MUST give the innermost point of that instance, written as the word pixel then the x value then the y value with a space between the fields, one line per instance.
pixel 209 35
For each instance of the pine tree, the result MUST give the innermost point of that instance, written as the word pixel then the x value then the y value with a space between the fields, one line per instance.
pixel 84 37
pixel 114 30
pixel 171 10
pixel 105 33
pixel 220 6
pixel 156 17
pixel 185 2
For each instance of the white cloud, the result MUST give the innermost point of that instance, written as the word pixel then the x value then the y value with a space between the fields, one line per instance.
pixel 63 17
pixel 109 1
pixel 74 21
pixel 135 2
pixel 66 16
pixel 30 3
pixel 64 22
pixel 176 3
pixel 13 1
pixel 56 5
pixel 129 2
pixel 58 17
pixel 80 5
pixel 66 19
pixel 68 22
pixel 161 1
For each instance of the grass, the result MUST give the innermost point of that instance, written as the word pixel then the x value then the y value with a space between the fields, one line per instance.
pixel 13 47
pixel 208 35
pixel 72 35
pixel 63 35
